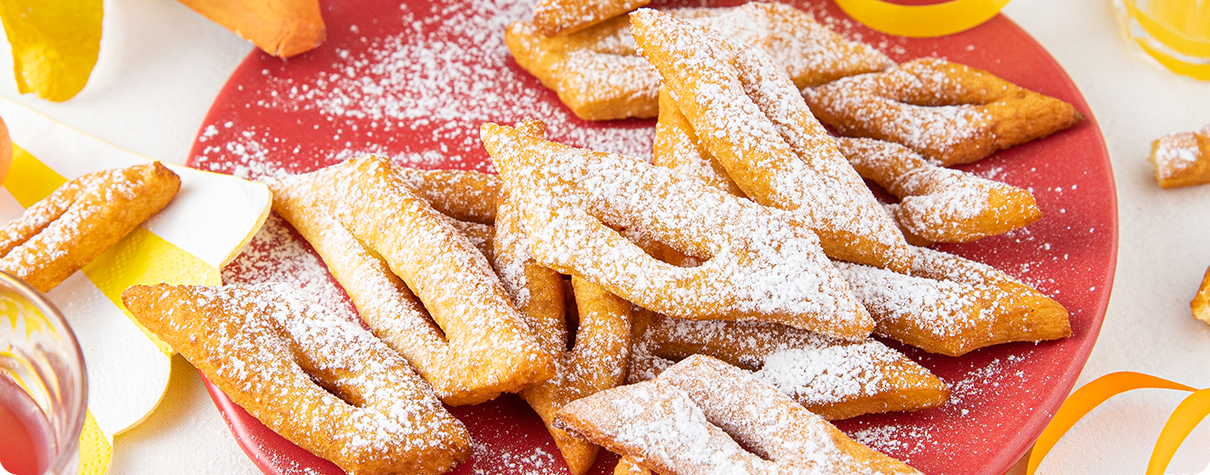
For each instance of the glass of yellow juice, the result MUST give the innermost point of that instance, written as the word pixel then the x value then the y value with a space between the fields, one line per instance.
pixel 1176 33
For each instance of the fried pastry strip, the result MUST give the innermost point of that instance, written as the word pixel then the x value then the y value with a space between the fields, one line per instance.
pixel 386 245
pixel 1182 158
pixel 705 416
pixel 320 381
pixel 940 204
pixel 835 379
pixel 459 194
pixel 947 112
pixel 598 360
pixel 749 115
pixel 759 263
pixel 63 232
pixel 599 75
pixel 561 17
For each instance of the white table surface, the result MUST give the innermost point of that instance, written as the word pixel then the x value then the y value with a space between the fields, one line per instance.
pixel 161 65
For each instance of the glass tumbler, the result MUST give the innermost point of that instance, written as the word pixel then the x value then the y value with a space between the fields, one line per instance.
pixel 43 388
pixel 1175 33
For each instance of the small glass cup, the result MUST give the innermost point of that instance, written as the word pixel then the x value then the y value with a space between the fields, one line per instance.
pixel 1175 33
pixel 43 388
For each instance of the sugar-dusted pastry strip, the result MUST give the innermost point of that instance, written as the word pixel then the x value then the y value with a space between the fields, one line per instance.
pixel 832 378
pixel 628 466
pixel 705 416
pixel 749 115
pixel 561 17
pixel 940 204
pixel 386 245
pixel 759 263
pixel 459 194
pixel 677 147
pixel 947 112
pixel 951 305
pixel 599 75
pixel 602 342
pixel 63 232
pixel 320 381
pixel 1201 301
pixel 1182 158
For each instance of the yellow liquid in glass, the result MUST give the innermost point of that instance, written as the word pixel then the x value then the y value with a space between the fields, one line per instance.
pixel 1176 33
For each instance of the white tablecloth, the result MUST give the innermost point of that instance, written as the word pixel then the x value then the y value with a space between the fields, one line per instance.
pixel 161 66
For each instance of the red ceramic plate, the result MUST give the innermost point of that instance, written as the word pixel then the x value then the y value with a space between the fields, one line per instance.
pixel 415 81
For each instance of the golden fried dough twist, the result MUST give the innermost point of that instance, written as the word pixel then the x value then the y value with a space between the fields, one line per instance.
pixel 599 75
pixel 760 263
pixel 459 194
pixel 602 343
pixel 940 204
pixel 320 381
pixel 63 232
pixel 1182 158
pixel 749 115
pixel 951 306
pixel 386 245
pixel 947 112
pixel 562 17
pixel 835 379
pixel 705 416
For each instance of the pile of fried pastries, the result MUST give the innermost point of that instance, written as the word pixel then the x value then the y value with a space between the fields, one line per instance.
pixel 706 313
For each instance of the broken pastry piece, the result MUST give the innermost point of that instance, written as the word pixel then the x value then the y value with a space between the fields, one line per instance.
pixel 759 263
pixel 1182 158
pixel 832 378
pixel 419 283
pixel 947 112
pixel 602 341
pixel 748 114
pixel 320 381
pixel 63 232
pixel 939 204
pixel 1201 302
pixel 599 75
pixel 705 416
pixel 561 17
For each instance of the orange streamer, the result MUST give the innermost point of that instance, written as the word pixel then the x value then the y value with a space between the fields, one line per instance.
pixel 1188 415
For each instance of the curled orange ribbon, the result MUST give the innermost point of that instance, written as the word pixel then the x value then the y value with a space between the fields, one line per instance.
pixel 922 21
pixel 1187 415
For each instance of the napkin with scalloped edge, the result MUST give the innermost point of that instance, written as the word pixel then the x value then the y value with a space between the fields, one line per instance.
pixel 206 225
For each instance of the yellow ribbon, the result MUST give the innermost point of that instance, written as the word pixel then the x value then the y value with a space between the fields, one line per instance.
pixel 1187 415
pixel 922 21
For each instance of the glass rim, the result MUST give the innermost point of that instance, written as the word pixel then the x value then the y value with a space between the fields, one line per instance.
pixel 66 450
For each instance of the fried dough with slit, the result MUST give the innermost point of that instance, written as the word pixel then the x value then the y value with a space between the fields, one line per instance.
pixel 63 232
pixel 320 381
pixel 387 246
pixel 562 17
pixel 947 112
pixel 1182 158
pixel 599 75
pixel 602 342
pixel 759 263
pixel 835 379
pixel 459 194
pixel 940 204
pixel 749 115
pixel 705 416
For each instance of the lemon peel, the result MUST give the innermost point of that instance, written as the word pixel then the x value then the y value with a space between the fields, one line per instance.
pixel 55 44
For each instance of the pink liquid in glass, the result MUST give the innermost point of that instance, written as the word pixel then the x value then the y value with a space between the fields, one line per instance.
pixel 25 435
